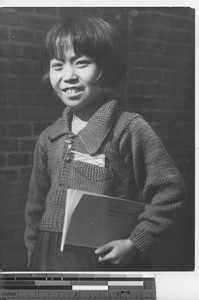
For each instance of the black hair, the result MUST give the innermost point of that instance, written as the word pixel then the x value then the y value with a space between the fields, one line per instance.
pixel 90 36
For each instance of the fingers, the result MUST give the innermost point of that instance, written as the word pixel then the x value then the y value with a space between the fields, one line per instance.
pixel 108 257
pixel 107 252
pixel 117 252
pixel 104 249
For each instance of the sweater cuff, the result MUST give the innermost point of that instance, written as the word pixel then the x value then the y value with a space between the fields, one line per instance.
pixel 142 240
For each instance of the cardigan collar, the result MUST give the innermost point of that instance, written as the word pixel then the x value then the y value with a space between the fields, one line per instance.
pixel 97 128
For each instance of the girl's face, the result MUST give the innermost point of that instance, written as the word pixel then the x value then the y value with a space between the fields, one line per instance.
pixel 75 80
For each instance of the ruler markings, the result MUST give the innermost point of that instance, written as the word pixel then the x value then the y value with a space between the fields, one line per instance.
pixel 71 287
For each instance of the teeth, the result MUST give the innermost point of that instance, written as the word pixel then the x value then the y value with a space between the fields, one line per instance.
pixel 72 91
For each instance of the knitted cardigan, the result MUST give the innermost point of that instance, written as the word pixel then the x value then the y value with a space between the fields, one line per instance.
pixel 137 167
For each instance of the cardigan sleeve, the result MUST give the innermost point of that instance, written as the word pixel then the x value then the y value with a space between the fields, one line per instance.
pixel 158 179
pixel 38 189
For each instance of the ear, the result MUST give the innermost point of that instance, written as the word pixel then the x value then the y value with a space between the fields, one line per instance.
pixel 99 76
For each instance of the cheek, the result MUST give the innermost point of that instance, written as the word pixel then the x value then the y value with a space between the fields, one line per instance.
pixel 53 79
pixel 92 75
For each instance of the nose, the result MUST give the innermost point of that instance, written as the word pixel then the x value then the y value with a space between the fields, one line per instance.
pixel 69 74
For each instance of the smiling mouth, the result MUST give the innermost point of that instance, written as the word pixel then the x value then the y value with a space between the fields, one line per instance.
pixel 71 91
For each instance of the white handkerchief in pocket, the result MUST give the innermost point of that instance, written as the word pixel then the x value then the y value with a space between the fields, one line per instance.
pixel 98 160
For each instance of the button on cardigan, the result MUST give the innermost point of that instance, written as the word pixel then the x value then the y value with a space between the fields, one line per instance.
pixel 137 167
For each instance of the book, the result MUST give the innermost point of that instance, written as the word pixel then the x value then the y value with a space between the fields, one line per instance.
pixel 92 220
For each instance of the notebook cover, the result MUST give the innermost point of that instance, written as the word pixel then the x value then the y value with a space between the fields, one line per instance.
pixel 99 219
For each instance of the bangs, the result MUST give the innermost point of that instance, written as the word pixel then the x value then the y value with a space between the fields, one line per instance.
pixel 90 36
pixel 71 37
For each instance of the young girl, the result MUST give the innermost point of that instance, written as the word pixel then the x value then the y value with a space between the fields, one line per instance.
pixel 82 61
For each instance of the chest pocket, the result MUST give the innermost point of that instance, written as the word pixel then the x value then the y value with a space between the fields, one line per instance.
pixel 93 172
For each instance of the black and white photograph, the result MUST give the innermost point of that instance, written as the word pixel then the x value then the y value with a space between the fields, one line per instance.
pixel 97 146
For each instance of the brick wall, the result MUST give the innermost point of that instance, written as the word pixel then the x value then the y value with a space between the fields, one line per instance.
pixel 161 88
pixel 160 50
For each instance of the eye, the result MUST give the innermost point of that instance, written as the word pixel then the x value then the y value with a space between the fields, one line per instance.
pixel 56 65
pixel 83 63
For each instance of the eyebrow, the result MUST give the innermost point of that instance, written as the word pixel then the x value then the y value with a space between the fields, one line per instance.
pixel 72 58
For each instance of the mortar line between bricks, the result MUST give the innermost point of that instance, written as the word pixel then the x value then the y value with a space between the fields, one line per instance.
pixel 171 28
pixel 148 81
pixel 155 69
pixel 21 43
pixel 167 110
pixel 160 55
pixel 165 69
pixel 167 14
pixel 159 40
pixel 159 97
pixel 23 27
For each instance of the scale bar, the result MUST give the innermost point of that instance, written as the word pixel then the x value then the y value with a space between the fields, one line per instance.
pixel 120 283
pixel 90 287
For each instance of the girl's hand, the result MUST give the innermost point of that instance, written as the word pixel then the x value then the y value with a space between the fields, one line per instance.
pixel 118 252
